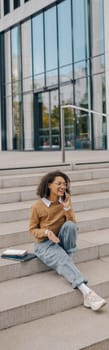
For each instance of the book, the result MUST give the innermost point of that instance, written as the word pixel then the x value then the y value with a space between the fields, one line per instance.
pixel 23 258
pixel 14 252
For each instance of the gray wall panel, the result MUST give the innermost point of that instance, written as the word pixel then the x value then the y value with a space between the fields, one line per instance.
pixel 22 12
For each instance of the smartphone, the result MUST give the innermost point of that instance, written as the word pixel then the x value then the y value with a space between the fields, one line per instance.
pixel 64 196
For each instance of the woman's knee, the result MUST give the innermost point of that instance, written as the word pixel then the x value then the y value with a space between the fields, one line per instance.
pixel 70 226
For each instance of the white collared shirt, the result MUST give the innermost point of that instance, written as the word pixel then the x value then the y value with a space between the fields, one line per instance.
pixel 47 202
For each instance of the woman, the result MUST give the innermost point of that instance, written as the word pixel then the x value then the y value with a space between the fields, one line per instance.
pixel 53 225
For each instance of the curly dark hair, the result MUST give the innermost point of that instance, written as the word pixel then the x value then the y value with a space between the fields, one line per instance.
pixel 43 190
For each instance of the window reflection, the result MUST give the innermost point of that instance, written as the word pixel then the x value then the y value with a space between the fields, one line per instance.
pixel 28 122
pixel 51 77
pixel 79 30
pixel 38 51
pixel 48 120
pixel 82 130
pixel 66 94
pixel 55 132
pixel 16 61
pixel 8 90
pixel 8 63
pixel 51 46
pixel 98 82
pixel 82 125
pixel 16 89
pixel 44 120
pixel 66 98
pixel 80 69
pixel 66 73
pixel 65 40
pixel 97 64
pixel 26 56
pixel 69 128
pixel 81 92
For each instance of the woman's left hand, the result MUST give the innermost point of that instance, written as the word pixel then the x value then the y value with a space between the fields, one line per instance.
pixel 67 202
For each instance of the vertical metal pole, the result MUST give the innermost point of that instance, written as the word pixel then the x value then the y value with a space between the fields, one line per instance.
pixel 62 135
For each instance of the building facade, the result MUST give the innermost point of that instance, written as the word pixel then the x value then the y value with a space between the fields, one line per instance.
pixel 53 53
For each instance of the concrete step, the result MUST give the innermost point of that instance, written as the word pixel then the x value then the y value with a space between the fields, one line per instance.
pixel 99 185
pixel 15 211
pixel 63 331
pixel 17 194
pixel 93 220
pixel 33 297
pixel 90 201
pixel 28 193
pixel 91 245
pixel 7 181
pixel 21 210
pixel 16 232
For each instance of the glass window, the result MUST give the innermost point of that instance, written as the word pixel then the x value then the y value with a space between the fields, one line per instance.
pixel 16 3
pixel 6 7
pixel 8 63
pixel 99 105
pixel 47 120
pixel 16 60
pixel 55 127
pixel 51 46
pixel 16 88
pixel 82 128
pixel 28 122
pixel 9 122
pixel 65 40
pixel 38 51
pixel 66 94
pixel 82 125
pixel 44 120
pixel 79 30
pixel 80 69
pixel 8 89
pixel 97 64
pixel 66 98
pixel 81 92
pixel 26 56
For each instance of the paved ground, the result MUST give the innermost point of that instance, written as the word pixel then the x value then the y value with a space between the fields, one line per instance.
pixel 10 159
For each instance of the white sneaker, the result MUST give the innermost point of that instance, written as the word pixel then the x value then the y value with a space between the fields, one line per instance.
pixel 93 301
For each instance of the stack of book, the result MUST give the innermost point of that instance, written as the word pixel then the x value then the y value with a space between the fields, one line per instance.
pixel 17 254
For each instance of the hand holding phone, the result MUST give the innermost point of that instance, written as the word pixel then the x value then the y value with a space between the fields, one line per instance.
pixel 66 200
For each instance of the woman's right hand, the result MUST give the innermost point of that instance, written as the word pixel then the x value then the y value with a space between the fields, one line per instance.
pixel 52 237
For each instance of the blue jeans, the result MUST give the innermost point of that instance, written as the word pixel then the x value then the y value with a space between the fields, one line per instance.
pixel 56 255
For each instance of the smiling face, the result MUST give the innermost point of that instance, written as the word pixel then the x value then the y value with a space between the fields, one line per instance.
pixel 57 188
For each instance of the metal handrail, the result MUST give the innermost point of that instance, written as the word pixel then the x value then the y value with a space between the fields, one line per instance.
pixel 62 123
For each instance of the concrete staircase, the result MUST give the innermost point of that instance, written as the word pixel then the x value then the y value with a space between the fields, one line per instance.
pixel 38 308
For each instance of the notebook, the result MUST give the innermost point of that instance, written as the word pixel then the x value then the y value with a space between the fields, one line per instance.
pixel 17 254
